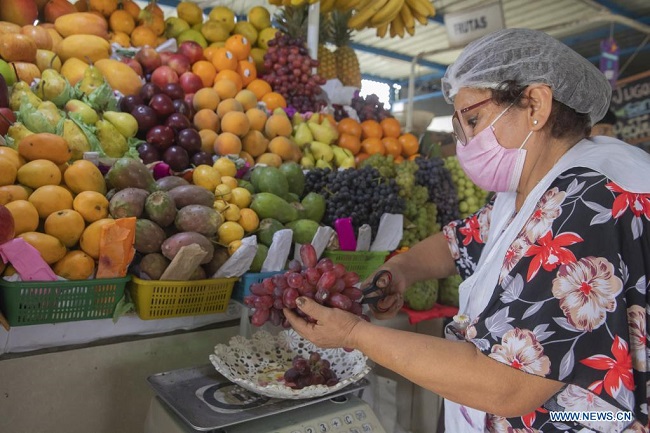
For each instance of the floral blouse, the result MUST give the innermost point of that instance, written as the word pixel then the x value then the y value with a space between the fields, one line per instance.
pixel 571 302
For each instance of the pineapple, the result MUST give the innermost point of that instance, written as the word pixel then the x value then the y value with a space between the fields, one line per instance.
pixel 292 20
pixel 326 58
pixel 347 63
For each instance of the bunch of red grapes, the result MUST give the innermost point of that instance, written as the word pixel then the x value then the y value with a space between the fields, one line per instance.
pixel 369 108
pixel 313 371
pixel 289 72
pixel 164 121
pixel 327 283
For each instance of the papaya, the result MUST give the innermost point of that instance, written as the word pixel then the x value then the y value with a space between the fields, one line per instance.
pixel 91 237
pixel 39 172
pixel 149 236
pixel 161 208
pixel 152 266
pixel 83 175
pixel 75 265
pixel 293 198
pixel 186 195
pixel 130 173
pixel 168 183
pixel 84 47
pixel 81 23
pixel 295 177
pixel 120 76
pixel 303 230
pixel 268 227
pixel 197 218
pixel 260 257
pixel 268 205
pixel 51 249
pixel 49 199
pixel 247 185
pixel 45 146
pixel 314 205
pixel 270 179
pixel 173 245
pixel 128 202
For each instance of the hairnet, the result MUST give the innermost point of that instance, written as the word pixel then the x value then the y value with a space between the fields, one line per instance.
pixel 530 56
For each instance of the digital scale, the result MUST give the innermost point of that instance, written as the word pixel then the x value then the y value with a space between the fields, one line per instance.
pixel 200 399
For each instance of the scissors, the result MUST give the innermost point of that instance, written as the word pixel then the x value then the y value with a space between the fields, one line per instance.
pixel 386 277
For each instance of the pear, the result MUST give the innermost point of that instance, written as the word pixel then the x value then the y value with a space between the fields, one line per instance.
pixel 44 119
pixel 123 122
pixel 46 59
pixel 307 161
pixel 297 119
pixel 76 139
pixel 21 89
pixel 348 163
pixel 321 163
pixel 51 85
pixel 113 143
pixel 302 135
pixel 339 155
pixel 18 131
pixel 323 133
pixel 81 111
pixel 92 79
pixel 280 111
pixel 321 151
pixel 314 118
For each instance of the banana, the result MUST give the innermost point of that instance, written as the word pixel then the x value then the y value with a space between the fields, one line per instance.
pixel 346 5
pixel 382 30
pixel 422 19
pixel 399 26
pixel 387 13
pixel 326 5
pixel 407 16
pixel 361 18
pixel 392 31
pixel 418 6
pixel 410 30
pixel 432 9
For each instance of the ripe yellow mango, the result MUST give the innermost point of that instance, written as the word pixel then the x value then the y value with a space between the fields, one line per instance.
pixel 84 47
pixel 120 76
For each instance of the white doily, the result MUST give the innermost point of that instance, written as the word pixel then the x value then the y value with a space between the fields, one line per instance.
pixel 258 364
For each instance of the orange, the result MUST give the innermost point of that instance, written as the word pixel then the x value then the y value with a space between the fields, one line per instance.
pixel 206 119
pixel 392 145
pixel 259 87
pixel 399 159
pixel 206 71
pixel 223 59
pixel 121 21
pixel 350 142
pixel 155 23
pixel 132 8
pixel 247 71
pixel 373 145
pixel 414 157
pixel 371 129
pixel 360 157
pixel 233 76
pixel 227 144
pixel 274 100
pixel 142 36
pixel 209 52
pixel 239 45
pixel 391 127
pixel 349 126
pixel 410 144
pixel 105 7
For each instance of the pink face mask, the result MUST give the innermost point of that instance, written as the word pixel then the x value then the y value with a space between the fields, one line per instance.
pixel 490 165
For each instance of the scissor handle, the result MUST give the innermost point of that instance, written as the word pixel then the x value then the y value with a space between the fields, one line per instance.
pixel 373 287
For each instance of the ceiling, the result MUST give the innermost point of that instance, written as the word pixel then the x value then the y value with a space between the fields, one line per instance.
pixel 581 24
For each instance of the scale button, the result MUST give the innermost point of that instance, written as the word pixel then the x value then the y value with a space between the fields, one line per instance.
pixel 366 427
pixel 336 422
pixel 360 415
pixel 310 430
pixel 323 427
pixel 355 430
pixel 348 418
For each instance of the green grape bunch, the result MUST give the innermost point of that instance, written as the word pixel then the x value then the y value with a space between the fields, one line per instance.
pixel 470 197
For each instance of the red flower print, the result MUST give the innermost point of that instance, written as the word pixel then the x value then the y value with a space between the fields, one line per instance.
pixel 471 230
pixel 639 204
pixel 619 369
pixel 550 253
pixel 529 418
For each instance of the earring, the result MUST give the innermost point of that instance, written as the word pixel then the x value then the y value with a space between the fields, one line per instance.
pixel 535 122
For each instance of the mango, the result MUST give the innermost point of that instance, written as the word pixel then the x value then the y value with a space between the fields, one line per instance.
pixel 120 76
pixel 52 250
pixel 17 48
pixel 84 47
pixel 81 23
pixel 73 69
pixel 44 146
pixel 89 241
pixel 49 199
pixel 75 265
pixel 39 172
pixel 83 175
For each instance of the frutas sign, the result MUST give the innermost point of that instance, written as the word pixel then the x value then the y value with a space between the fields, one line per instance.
pixel 467 25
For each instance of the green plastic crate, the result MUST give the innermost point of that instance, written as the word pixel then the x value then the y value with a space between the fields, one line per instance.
pixel 38 302
pixel 363 263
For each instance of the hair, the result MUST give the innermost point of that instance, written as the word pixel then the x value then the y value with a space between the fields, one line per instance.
pixel 609 119
pixel 563 122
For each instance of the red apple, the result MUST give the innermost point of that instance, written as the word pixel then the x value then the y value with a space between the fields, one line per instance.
pixel 163 75
pixel 134 64
pixel 190 82
pixel 192 50
pixel 149 58
pixel 179 63
pixel 7 118
pixel 6 225
pixel 165 56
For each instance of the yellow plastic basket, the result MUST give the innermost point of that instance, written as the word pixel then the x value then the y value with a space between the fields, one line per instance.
pixel 155 299
pixel 361 262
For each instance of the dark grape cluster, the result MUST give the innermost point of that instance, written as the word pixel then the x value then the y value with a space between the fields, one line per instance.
pixel 313 371
pixel 433 174
pixel 369 108
pixel 339 112
pixel 289 72
pixel 363 195
pixel 327 283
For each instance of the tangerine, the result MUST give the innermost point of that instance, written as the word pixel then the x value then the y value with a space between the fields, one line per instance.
pixel 259 87
pixel 373 145
pixel 121 21
pixel 410 144
pixel 391 127
pixel 360 157
pixel 247 71
pixel 350 142
pixel 349 126
pixel 223 59
pixel 206 71
pixel 371 129
pixel 143 35
pixel 392 145
pixel 274 100
pixel 209 52
pixel 239 45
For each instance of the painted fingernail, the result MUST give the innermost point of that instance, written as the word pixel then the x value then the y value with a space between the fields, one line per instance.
pixel 300 302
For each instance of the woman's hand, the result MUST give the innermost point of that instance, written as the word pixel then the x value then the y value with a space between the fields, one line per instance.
pixel 394 299
pixel 333 327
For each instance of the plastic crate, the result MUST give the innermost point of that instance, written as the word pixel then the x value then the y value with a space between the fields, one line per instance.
pixel 156 299
pixel 39 302
pixel 361 262
pixel 242 288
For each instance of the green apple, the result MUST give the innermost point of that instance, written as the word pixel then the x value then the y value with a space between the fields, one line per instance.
pixel 82 111
pixel 7 71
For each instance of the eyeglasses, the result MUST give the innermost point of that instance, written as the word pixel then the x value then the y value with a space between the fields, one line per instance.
pixel 459 132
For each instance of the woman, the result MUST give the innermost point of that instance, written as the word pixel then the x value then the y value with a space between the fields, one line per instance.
pixel 555 268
